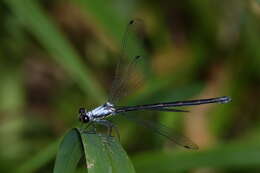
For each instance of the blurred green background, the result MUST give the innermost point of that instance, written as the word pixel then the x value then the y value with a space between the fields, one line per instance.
pixel 57 56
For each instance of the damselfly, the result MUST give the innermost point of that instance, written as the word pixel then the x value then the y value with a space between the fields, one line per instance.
pixel 100 114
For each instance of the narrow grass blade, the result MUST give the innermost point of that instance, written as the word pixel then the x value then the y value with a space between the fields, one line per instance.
pixel 35 20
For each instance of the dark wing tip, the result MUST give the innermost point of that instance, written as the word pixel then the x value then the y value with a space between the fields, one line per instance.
pixel 191 147
pixel 178 110
pixel 131 22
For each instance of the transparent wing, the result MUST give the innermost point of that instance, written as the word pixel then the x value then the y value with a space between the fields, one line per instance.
pixel 162 130
pixel 132 53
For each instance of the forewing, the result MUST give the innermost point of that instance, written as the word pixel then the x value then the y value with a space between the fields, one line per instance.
pixel 132 53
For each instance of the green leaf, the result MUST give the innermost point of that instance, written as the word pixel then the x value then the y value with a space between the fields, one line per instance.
pixel 69 154
pixel 119 158
pixel 102 153
pixel 95 152
pixel 105 154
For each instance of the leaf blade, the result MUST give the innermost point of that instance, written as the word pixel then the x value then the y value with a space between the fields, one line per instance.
pixel 69 154
pixel 119 158
pixel 105 154
pixel 95 153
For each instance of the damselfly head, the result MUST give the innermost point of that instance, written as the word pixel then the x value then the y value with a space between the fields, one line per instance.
pixel 83 117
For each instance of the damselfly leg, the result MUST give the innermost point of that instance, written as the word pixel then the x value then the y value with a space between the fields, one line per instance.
pixel 110 126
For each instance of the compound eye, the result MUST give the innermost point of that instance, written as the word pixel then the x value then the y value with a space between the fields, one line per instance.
pixel 81 111
pixel 85 119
